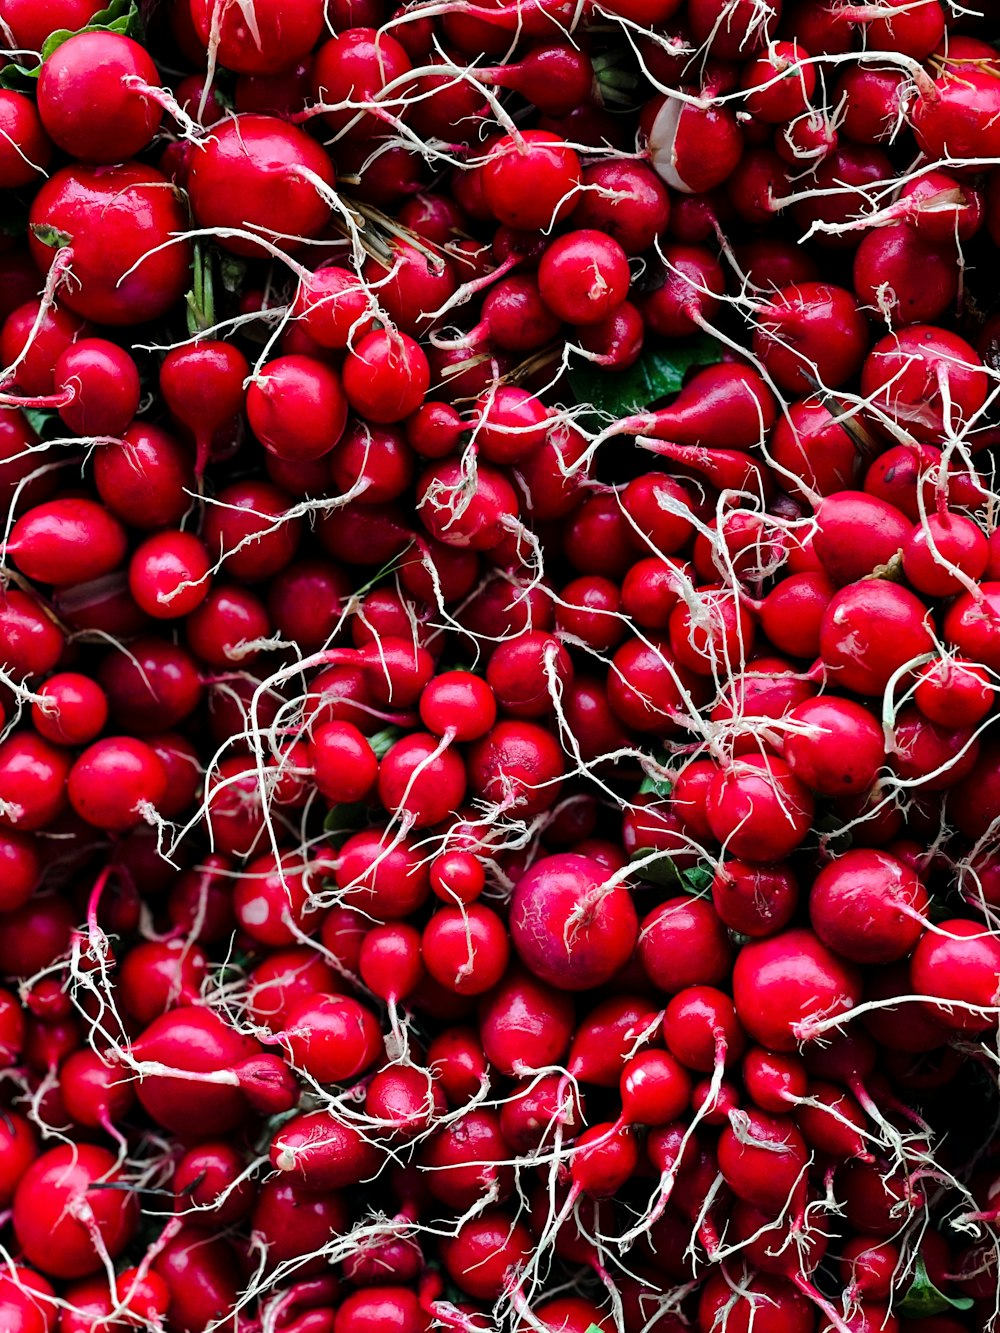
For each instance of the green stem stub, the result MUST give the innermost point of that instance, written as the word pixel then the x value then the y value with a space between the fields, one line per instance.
pixel 201 298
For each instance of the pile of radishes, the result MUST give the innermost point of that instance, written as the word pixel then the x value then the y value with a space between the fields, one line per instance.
pixel 499 636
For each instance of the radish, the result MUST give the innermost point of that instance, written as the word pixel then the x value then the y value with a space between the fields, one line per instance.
pixel 758 809
pixel 868 906
pixel 530 182
pixel 869 631
pixel 961 964
pixel 693 148
pixel 26 150
pixel 62 1223
pixel 230 180
pixel 785 985
pixel 116 80
pixel 590 927
pixel 279 33
pixel 143 272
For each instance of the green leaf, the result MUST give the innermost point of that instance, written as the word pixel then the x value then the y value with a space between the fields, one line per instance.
pixel 384 740
pixel 661 870
pixel 41 421
pixel 698 879
pixel 651 786
pixel 658 374
pixel 924 1299
pixel 344 818
pixel 51 236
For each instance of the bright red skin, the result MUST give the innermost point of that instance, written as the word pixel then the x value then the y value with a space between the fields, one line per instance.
pixel 966 968
pixel 758 809
pixel 533 187
pixel 233 176
pixel 25 151
pixel 565 928
pixel 194 1040
pixel 861 905
pixel 870 630
pixel 843 754
pixel 49 1235
pixel 112 779
pixel 683 943
pixel 132 204
pixel 525 1025
pixel 86 106
pixel 788 980
pixel 287 30
pixel 356 65
pixel 67 541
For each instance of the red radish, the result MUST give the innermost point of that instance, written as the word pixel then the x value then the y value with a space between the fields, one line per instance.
pixel 604 1039
pixel 868 906
pixel 589 928
pixel 184 1047
pixel 67 541
pixel 687 293
pixel 692 147
pixel 202 383
pixel 385 376
pixel 953 691
pixel 684 943
pixel 758 809
pixel 32 642
pixel 528 182
pixel 33 776
pixel 466 948
pixel 26 149
pixel 144 481
pixel 232 176
pixel 856 533
pixel 583 276
pixel 482 1252
pixel 884 263
pixel 924 379
pixel 811 332
pixel 834 746
pixel 786 984
pixel 280 32
pixel 126 264
pixel 111 76
pixel 525 1025
pixel 959 962
pixel 357 65
pixel 331 1037
pixel 249 530
pixel 941 541
pixel 323 1153
pixel 870 631
pixel 297 408
pixel 60 1218
pixel 201 1273
pixel 755 900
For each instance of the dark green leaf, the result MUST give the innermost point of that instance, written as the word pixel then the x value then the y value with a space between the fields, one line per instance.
pixel 21 78
pixel 384 740
pixel 661 870
pixel 42 422
pixel 343 818
pixel 924 1299
pixel 661 787
pixel 658 374
pixel 698 879
pixel 51 236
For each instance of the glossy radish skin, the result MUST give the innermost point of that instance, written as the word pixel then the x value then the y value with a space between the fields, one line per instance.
pixel 567 927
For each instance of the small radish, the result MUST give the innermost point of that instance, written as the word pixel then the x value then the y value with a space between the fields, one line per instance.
pixel 278 34
pixel 62 1223
pixel 94 97
pixel 693 148
pixel 67 541
pixel 758 809
pixel 122 222
pixel 232 177
pixel 869 631
pixel 530 182
pixel 834 746
pixel 784 985
pixel 589 930
pixel 202 384
pixel 959 962
pixel 868 906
